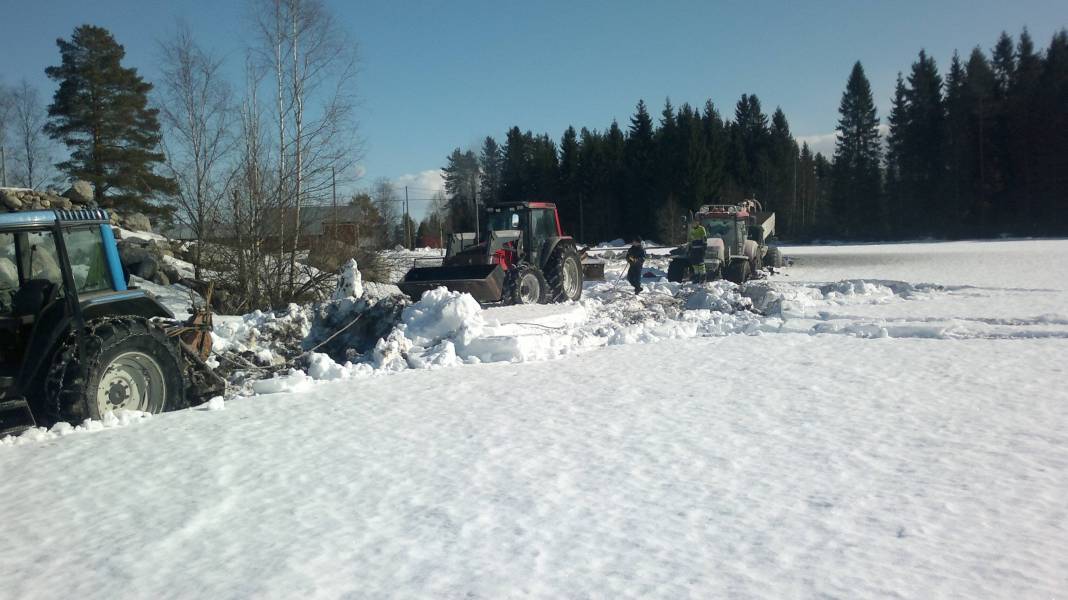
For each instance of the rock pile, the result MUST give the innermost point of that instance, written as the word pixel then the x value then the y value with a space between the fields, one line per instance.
pixel 79 195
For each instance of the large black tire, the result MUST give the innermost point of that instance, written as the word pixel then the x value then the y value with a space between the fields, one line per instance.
pixel 679 270
pixel 127 362
pixel 524 284
pixel 563 272
pixel 737 271
pixel 774 257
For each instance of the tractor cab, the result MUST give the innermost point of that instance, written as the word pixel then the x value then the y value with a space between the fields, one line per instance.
pixel 519 256
pixel 728 222
pixel 48 268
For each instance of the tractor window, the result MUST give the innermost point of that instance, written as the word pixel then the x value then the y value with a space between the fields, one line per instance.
pixel 501 221
pixel 9 271
pixel 544 225
pixel 88 263
pixel 39 257
pixel 717 227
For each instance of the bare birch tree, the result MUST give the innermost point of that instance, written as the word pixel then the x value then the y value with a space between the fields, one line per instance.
pixel 314 66
pixel 196 110
pixel 32 145
pixel 6 104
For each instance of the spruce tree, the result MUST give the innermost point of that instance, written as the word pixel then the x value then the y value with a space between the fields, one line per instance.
pixel 640 154
pixel 923 161
pixel 568 200
pixel 100 111
pixel 490 161
pixel 856 193
pixel 717 141
pixel 782 160
pixel 895 205
pixel 958 137
pixel 1022 128
pixel 1051 136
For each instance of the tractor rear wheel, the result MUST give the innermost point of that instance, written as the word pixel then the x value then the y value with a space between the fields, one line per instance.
pixel 127 364
pixel 525 285
pixel 563 271
pixel 679 270
pixel 737 271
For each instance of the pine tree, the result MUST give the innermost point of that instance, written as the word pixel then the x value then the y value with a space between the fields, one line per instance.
pixel 856 192
pixel 101 113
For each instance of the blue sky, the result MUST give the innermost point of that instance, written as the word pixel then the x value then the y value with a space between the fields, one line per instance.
pixel 437 74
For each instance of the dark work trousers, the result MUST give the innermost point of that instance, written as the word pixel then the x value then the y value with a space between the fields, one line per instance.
pixel 634 275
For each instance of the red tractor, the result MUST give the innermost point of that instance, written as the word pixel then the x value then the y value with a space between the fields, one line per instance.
pixel 521 257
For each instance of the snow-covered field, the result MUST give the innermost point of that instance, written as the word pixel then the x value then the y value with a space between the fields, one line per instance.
pixel 873 421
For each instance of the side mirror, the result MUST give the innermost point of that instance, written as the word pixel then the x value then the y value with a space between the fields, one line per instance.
pixel 515 220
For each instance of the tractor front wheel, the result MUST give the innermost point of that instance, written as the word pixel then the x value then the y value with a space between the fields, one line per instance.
pixel 774 257
pixel 738 271
pixel 125 364
pixel 526 285
pixel 679 270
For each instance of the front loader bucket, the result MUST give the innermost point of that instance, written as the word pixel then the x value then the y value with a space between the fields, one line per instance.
pixel 593 269
pixel 484 282
pixel 15 417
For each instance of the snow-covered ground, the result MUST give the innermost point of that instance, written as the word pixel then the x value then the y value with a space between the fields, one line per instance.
pixel 873 421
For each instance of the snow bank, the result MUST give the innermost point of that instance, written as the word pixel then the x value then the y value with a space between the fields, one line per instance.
pixel 111 420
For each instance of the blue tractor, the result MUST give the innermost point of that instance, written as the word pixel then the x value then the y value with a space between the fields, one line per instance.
pixel 75 340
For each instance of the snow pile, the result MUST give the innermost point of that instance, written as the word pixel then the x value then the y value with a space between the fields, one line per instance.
pixel 260 339
pixel 442 314
pixel 349 282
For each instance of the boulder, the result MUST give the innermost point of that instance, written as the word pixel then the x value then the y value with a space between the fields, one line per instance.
pixel 161 278
pixel 62 203
pixel 138 222
pixel 147 268
pixel 10 200
pixel 80 192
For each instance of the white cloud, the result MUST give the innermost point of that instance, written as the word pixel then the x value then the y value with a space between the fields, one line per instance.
pixel 423 184
pixel 824 142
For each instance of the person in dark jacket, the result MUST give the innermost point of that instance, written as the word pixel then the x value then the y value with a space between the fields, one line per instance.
pixel 635 258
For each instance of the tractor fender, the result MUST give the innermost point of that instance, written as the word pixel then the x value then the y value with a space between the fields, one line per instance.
pixel 750 249
pixel 716 249
pixel 138 303
pixel 44 341
pixel 551 245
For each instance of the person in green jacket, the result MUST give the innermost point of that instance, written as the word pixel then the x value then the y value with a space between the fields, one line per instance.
pixel 698 237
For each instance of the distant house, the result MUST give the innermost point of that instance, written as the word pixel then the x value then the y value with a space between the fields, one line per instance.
pixel 318 224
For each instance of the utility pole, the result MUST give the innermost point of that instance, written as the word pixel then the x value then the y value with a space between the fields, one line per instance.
pixel 407 222
pixel 3 168
pixel 333 193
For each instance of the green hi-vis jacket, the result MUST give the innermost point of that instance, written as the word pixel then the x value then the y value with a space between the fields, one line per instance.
pixel 698 232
